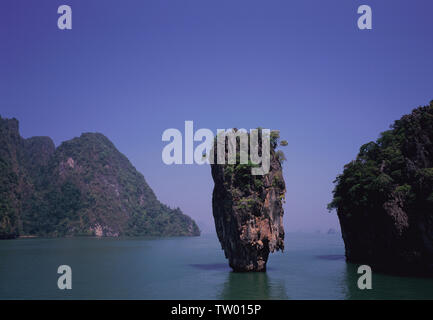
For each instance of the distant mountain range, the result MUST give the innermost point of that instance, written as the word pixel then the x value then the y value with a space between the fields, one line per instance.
pixel 83 187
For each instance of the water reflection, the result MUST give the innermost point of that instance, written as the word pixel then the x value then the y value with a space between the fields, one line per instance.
pixel 387 286
pixel 350 280
pixel 252 286
pixel 211 266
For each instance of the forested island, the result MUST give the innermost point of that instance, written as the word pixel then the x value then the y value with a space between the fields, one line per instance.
pixel 384 198
pixel 84 187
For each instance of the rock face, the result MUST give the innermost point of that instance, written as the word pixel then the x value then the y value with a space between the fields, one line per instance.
pixel 384 199
pixel 83 187
pixel 248 212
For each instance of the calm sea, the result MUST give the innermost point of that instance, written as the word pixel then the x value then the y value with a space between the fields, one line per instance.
pixel 311 267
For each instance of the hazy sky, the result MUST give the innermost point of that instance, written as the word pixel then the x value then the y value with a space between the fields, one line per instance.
pixel 131 69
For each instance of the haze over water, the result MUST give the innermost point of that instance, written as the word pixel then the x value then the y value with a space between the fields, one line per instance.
pixel 311 267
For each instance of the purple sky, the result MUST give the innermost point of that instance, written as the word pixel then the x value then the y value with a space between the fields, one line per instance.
pixel 131 69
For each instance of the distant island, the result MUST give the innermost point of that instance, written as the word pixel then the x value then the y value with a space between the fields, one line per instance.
pixel 331 231
pixel 384 198
pixel 85 187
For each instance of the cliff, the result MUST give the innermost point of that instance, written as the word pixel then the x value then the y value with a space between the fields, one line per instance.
pixel 384 198
pixel 248 212
pixel 11 178
pixel 84 187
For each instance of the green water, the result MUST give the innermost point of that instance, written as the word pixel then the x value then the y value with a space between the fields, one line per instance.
pixel 311 267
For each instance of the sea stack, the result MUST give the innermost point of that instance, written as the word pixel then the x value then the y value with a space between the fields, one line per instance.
pixel 384 199
pixel 248 210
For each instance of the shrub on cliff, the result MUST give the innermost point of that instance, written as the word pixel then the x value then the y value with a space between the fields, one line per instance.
pixel 400 161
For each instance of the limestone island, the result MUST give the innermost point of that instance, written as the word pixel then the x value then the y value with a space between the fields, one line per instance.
pixel 248 210
pixel 384 199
